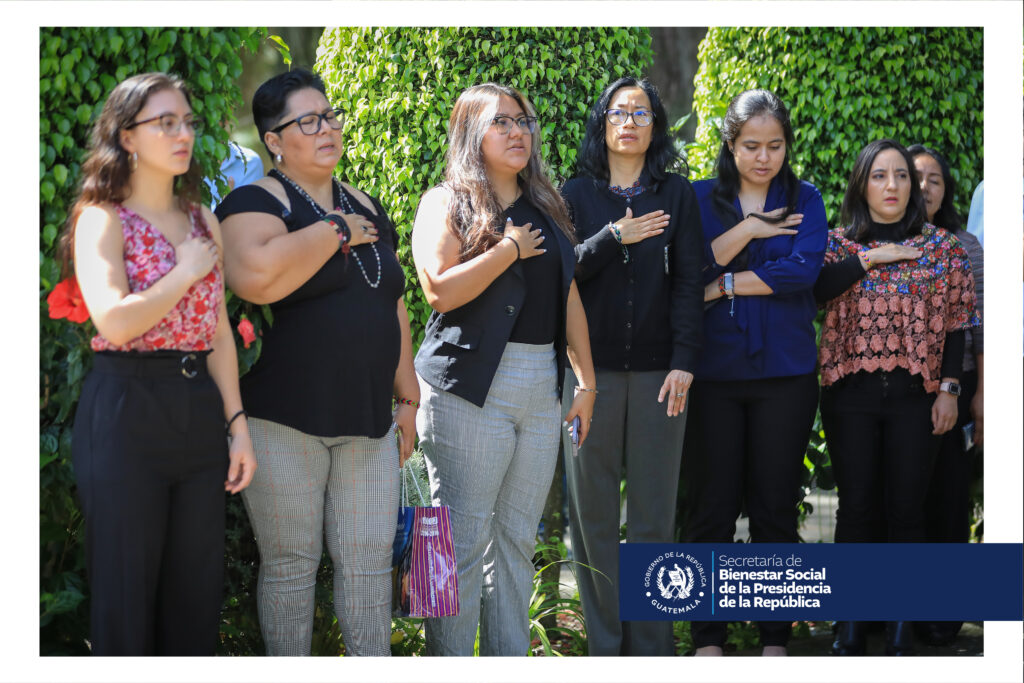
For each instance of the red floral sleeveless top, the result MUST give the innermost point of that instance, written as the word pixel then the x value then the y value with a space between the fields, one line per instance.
pixel 148 256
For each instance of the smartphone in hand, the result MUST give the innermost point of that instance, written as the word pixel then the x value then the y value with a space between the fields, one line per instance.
pixel 574 432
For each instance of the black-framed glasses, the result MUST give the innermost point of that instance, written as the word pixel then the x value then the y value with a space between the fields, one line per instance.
pixel 310 124
pixel 641 117
pixel 527 124
pixel 171 124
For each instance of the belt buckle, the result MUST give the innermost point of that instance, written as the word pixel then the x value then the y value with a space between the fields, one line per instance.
pixel 188 366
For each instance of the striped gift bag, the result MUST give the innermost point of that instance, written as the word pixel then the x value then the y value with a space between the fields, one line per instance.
pixel 425 580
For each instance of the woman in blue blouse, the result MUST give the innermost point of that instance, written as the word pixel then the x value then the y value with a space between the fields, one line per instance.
pixel 755 389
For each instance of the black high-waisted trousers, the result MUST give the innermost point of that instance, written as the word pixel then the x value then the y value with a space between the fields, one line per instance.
pixel 150 460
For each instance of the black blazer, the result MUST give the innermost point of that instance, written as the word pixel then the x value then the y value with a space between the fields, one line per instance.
pixel 462 348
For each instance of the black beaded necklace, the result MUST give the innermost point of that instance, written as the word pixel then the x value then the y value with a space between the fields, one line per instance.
pixel 346 207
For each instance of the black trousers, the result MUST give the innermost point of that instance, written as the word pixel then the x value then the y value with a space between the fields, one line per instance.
pixel 879 432
pixel 746 448
pixel 948 506
pixel 150 460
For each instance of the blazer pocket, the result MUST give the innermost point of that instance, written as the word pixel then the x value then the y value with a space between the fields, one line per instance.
pixel 463 336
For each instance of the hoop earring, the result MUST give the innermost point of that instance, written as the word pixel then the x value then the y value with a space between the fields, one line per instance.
pixel 278 158
pixel 133 162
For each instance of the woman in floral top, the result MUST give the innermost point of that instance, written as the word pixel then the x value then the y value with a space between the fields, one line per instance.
pixel 151 457
pixel 899 295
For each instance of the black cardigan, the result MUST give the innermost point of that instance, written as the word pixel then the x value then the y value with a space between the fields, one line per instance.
pixel 646 313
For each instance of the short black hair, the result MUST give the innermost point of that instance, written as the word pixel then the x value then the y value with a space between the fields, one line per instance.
pixel 855 213
pixel 661 154
pixel 271 98
pixel 947 216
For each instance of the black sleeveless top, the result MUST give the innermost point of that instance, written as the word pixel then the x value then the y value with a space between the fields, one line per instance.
pixel 328 361
pixel 538 316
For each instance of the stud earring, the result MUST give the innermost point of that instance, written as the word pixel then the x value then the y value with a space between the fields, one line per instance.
pixel 134 163
pixel 278 158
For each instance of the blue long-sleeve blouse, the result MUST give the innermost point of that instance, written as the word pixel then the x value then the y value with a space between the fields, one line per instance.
pixel 755 337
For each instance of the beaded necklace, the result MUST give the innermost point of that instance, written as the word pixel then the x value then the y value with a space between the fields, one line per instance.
pixel 339 194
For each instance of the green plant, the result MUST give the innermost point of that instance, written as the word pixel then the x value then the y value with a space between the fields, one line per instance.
pixel 845 87
pixel 77 68
pixel 399 84
pixel 556 620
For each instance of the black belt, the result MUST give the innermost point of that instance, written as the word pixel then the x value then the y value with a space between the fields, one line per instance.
pixel 188 364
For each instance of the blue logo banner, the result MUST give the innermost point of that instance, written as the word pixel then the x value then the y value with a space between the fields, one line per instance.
pixel 819 581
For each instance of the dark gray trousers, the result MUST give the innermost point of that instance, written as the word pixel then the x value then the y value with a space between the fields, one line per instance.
pixel 631 430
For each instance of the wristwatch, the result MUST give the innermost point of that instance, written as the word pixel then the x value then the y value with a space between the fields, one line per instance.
pixel 950 387
pixel 727 284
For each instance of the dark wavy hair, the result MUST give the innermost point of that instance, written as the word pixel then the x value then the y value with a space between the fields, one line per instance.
pixel 855 213
pixel 661 154
pixel 474 214
pixel 947 216
pixel 106 170
pixel 271 98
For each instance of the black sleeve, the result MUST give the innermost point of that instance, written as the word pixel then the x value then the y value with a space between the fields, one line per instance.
pixel 594 253
pixel 836 278
pixel 687 313
pixel 250 198
pixel 953 354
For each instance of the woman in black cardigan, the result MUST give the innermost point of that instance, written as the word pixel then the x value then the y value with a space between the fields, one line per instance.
pixel 638 269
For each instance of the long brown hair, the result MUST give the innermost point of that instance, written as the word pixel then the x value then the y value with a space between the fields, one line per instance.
pixel 474 214
pixel 106 170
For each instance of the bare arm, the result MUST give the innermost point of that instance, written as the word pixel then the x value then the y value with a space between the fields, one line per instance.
pixel 265 262
pixel 119 314
pixel 447 283
pixel 407 387
pixel 578 339
pixel 223 365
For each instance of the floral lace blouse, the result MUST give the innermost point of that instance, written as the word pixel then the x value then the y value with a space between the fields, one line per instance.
pixel 898 314
pixel 148 256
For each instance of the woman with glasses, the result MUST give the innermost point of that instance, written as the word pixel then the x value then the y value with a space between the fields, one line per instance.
pixel 150 451
pixel 638 267
pixel 756 390
pixel 898 296
pixel 336 359
pixel 493 249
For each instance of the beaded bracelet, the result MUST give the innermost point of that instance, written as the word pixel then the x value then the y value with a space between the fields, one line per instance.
pixel 227 425
pixel 721 285
pixel 582 390
pixel 615 231
pixel 407 402
pixel 341 229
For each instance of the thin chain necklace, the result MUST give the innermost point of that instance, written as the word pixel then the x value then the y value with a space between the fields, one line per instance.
pixel 339 193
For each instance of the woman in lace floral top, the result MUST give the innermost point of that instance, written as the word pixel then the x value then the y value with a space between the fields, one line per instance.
pixel 899 295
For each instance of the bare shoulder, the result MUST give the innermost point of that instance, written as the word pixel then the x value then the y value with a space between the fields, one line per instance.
pixel 98 221
pixel 434 202
pixel 360 196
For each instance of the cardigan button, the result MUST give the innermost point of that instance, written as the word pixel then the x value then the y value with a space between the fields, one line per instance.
pixel 510 310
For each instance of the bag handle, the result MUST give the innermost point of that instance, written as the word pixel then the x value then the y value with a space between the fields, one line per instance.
pixel 404 489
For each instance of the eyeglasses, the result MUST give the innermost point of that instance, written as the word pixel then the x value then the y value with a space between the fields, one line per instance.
pixel 171 124
pixel 641 117
pixel 310 124
pixel 527 124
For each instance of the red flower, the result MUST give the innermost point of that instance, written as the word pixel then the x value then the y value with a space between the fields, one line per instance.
pixel 245 329
pixel 65 301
